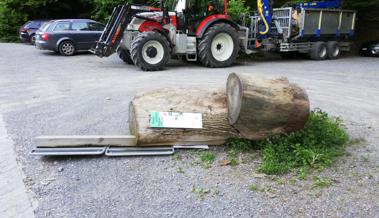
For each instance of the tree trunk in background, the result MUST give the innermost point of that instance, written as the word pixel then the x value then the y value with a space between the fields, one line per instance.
pixel 260 107
pixel 212 105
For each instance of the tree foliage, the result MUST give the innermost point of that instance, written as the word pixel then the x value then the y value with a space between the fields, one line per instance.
pixel 14 13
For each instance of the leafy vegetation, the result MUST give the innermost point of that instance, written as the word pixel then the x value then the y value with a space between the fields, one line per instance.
pixel 238 10
pixel 256 188
pixel 314 147
pixel 321 182
pixel 200 192
pixel 322 139
pixel 236 147
pixel 207 158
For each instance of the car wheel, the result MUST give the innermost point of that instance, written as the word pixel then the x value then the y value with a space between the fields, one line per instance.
pixel 67 48
pixel 373 51
pixel 32 39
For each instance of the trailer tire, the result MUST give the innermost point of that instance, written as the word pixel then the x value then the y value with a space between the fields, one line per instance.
pixel 124 55
pixel 334 50
pixel 319 51
pixel 219 47
pixel 150 51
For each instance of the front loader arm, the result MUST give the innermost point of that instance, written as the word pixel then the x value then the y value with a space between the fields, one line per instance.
pixel 114 30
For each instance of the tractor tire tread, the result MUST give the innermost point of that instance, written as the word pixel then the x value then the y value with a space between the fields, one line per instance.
pixel 205 56
pixel 136 50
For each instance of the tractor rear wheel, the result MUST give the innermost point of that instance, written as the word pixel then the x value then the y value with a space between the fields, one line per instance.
pixel 150 51
pixel 219 47
pixel 125 56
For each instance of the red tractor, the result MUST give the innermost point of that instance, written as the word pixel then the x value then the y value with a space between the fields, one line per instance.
pixel 191 29
pixel 202 30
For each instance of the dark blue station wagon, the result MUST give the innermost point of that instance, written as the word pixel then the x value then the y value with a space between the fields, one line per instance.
pixel 68 36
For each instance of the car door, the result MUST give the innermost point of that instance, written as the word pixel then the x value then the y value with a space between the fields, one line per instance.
pixel 81 34
pixel 96 31
pixel 59 31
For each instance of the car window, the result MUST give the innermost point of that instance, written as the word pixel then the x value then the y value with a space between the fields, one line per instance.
pixel 45 26
pixel 80 26
pixel 31 24
pixel 62 27
pixel 96 26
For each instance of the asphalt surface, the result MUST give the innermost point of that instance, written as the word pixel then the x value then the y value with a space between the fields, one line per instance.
pixel 42 93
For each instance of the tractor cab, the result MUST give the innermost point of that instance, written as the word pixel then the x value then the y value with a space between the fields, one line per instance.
pixel 190 13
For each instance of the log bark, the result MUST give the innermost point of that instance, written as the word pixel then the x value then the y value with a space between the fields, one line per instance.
pixel 212 104
pixel 260 107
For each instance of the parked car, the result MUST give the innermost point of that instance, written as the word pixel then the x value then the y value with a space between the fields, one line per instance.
pixel 69 36
pixel 29 29
pixel 370 48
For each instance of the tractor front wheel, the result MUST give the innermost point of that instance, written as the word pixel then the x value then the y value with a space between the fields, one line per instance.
pixel 150 51
pixel 124 55
pixel 219 47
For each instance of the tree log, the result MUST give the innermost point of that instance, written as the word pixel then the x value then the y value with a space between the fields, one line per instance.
pixel 260 107
pixel 212 104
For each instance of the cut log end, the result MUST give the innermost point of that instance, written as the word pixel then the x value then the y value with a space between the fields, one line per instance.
pixel 234 95
pixel 260 107
pixel 133 126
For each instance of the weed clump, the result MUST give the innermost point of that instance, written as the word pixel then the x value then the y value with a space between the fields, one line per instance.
pixel 322 139
pixel 207 158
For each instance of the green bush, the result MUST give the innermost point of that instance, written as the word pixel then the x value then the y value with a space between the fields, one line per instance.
pixel 237 10
pixel 10 21
pixel 104 8
pixel 322 139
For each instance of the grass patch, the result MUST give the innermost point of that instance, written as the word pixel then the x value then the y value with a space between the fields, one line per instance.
pixel 237 146
pixel 180 170
pixel 321 182
pixel 207 158
pixel 314 147
pixel 356 141
pixel 200 192
pixel 256 188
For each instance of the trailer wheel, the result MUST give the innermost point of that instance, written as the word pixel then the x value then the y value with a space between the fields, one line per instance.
pixel 219 47
pixel 319 51
pixel 150 51
pixel 334 50
pixel 124 55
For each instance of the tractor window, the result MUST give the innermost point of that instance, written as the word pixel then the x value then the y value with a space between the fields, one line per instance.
pixel 180 5
pixel 203 8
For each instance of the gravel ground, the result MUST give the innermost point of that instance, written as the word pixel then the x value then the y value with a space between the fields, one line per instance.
pixel 42 93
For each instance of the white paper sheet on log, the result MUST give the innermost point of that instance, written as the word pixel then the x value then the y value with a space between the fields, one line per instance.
pixel 175 120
